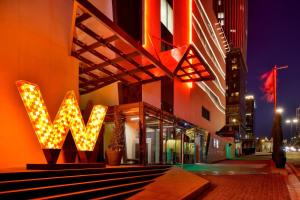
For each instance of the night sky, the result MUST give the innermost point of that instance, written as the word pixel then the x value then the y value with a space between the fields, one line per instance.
pixel 274 38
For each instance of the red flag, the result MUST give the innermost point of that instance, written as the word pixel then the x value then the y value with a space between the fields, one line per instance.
pixel 269 85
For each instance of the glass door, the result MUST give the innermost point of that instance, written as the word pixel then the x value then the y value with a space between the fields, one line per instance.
pixel 152 140
pixel 168 143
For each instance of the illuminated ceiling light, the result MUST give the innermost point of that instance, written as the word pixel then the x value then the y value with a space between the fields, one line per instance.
pixel 190 85
pixel 134 118
pixel 51 135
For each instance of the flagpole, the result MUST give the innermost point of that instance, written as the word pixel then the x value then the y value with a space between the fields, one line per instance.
pixel 275 68
pixel 275 86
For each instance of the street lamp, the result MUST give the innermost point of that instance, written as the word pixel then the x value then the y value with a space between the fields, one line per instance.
pixel 279 110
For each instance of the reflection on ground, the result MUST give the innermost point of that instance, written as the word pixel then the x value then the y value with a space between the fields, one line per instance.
pixel 243 165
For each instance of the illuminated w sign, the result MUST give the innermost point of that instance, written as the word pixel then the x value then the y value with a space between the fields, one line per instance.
pixel 51 135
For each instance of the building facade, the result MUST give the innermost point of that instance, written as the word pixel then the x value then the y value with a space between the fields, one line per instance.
pixel 235 92
pixel 160 62
pixel 233 17
pixel 250 116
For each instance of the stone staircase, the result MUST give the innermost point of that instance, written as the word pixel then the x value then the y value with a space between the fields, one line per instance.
pixel 95 183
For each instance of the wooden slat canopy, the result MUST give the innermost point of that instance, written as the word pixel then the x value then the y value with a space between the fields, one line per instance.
pixel 108 54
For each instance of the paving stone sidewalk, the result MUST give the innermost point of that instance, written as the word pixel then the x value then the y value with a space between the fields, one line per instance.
pixel 246 187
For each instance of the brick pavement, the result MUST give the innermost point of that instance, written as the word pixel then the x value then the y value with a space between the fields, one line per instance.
pixel 246 187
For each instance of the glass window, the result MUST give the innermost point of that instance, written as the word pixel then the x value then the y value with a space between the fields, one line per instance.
pixel 164 12
pixel 221 15
pixel 205 113
pixel 166 15
pixel 234 67
pixel 222 22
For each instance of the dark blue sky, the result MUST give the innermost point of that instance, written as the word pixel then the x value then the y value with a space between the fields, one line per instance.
pixel 274 38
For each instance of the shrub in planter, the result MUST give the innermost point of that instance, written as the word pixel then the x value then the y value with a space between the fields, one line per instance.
pixel 116 147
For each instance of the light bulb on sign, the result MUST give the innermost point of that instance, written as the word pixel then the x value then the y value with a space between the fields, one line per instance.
pixel 51 135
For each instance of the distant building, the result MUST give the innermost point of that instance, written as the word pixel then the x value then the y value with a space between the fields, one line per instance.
pixel 233 17
pixel 233 20
pixel 264 145
pixel 298 124
pixel 235 92
pixel 250 116
pixel 249 139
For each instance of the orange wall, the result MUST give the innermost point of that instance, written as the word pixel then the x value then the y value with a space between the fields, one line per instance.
pixel 107 96
pixel 188 104
pixel 151 93
pixel 35 47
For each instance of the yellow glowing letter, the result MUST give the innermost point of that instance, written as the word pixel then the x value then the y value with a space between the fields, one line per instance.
pixel 52 135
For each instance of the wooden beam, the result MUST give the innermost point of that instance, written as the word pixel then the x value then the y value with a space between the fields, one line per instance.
pixel 198 79
pixel 112 48
pixel 102 57
pixel 82 18
pixel 97 87
pixel 115 76
pixel 104 64
pixel 97 44
pixel 191 73
pixel 90 63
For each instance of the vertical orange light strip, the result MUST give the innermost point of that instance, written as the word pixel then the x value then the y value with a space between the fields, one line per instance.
pixel 190 21
pixel 145 16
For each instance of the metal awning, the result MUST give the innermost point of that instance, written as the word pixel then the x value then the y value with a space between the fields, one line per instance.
pixel 108 54
pixel 186 64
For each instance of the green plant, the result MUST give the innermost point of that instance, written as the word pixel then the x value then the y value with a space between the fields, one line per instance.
pixel 117 140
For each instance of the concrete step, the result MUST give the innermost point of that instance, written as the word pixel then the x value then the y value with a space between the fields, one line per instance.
pixel 8 176
pixel 112 192
pixel 40 182
pixel 104 183
pixel 36 192
pixel 121 195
